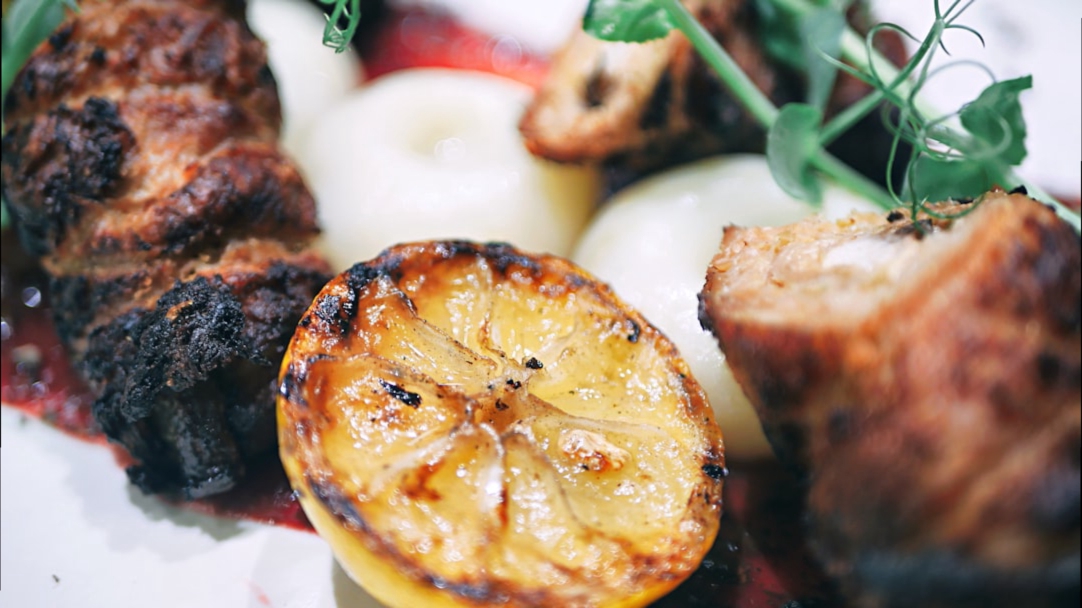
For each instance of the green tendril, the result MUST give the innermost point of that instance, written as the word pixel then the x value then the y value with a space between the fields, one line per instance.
pixel 957 155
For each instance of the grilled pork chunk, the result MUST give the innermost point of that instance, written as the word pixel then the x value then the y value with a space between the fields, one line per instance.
pixel 141 165
pixel 926 378
pixel 642 107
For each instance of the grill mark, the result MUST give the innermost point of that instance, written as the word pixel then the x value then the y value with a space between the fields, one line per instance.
pixel 411 399
pixel 59 164
pixel 340 506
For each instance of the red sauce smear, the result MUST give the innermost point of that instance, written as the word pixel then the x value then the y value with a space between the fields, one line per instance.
pixel 760 559
pixel 36 375
pixel 421 38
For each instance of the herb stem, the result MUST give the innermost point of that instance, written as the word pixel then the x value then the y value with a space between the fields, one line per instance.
pixel 899 81
pixel 739 84
pixel 852 180
pixel 760 106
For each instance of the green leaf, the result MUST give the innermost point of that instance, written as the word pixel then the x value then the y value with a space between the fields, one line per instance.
pixel 626 20
pixel 821 37
pixel 791 143
pixel 27 24
pixel 779 33
pixel 935 179
pixel 22 18
pixel 995 119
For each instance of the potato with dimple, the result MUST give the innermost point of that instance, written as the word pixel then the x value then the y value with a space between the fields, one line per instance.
pixel 469 425
pixel 653 243
pixel 427 153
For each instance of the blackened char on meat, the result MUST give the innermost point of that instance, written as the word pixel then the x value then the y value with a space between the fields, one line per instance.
pixel 141 165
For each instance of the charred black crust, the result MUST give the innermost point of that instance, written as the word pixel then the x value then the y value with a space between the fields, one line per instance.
pixel 296 376
pixel 273 302
pixel 339 505
pixel 478 592
pixel 59 39
pixel 77 299
pixel 328 310
pixel 58 164
pixel 195 328
pixel 360 275
pixel 291 385
pixel 715 472
pixel 401 394
pixel 504 257
pixel 705 321
pixel 188 387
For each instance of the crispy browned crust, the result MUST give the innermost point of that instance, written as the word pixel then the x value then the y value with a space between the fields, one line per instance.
pixel 938 416
pixel 604 100
pixel 647 106
pixel 141 163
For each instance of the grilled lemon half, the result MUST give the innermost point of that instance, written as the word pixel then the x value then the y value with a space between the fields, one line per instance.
pixel 469 425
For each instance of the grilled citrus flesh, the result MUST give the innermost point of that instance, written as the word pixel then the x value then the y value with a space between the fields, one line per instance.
pixel 468 425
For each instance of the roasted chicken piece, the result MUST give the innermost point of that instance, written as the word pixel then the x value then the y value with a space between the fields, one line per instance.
pixel 141 164
pixel 642 107
pixel 925 376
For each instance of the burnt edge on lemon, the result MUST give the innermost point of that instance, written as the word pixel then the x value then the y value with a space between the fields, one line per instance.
pixel 330 331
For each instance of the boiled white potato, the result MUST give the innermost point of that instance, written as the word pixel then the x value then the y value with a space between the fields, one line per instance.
pixel 310 76
pixel 436 154
pixel 653 243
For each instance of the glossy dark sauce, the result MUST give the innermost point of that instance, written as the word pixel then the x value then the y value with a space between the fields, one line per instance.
pixel 760 559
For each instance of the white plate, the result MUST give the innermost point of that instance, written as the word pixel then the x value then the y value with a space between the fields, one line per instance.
pixel 74 534
pixel 1038 37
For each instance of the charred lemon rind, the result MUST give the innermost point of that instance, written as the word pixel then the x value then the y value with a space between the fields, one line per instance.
pixel 470 425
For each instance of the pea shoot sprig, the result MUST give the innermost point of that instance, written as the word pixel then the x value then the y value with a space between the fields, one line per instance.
pixel 962 154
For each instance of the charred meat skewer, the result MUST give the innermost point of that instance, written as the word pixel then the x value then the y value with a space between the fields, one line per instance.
pixel 141 164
